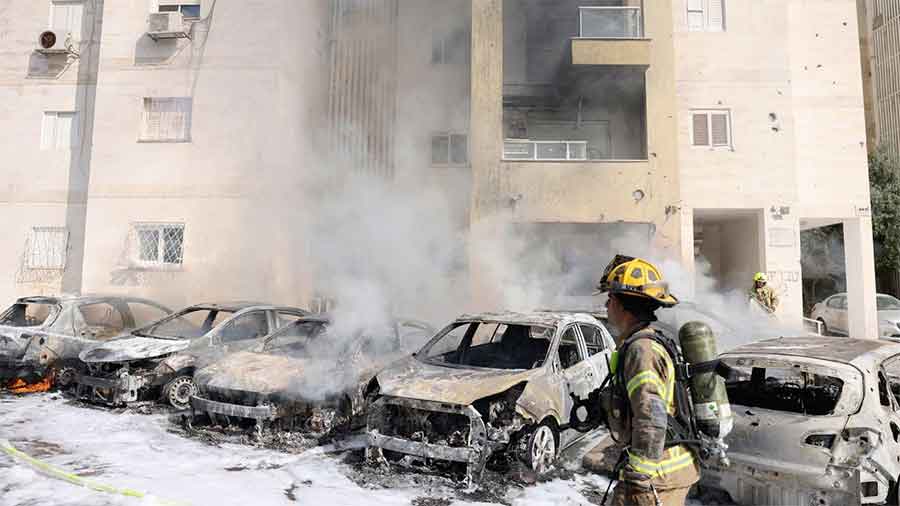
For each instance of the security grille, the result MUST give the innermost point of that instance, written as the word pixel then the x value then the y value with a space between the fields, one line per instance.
pixel 47 248
pixel 166 119
pixel 159 244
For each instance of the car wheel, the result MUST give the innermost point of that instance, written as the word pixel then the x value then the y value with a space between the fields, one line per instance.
pixel 824 327
pixel 178 392
pixel 65 374
pixel 542 448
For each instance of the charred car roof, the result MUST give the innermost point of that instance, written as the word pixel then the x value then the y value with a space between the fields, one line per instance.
pixel 242 305
pixel 838 349
pixel 83 299
pixel 544 318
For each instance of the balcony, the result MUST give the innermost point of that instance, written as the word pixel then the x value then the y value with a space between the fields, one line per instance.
pixel 611 35
pixel 547 151
pixel 611 22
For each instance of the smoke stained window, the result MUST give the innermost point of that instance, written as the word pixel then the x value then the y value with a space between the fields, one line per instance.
pixel 166 119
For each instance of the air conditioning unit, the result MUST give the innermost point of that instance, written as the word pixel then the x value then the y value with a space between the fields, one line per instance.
pixel 166 25
pixel 53 41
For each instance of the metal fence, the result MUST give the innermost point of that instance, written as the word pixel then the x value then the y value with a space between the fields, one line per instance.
pixel 621 22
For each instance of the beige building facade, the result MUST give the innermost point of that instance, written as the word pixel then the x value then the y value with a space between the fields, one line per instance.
pixel 708 132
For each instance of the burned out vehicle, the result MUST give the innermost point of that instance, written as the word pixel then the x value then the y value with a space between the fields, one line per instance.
pixel 489 389
pixel 158 361
pixel 45 334
pixel 308 376
pixel 817 421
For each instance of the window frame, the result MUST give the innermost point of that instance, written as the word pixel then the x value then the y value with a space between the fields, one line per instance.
pixel 709 113
pixel 159 263
pixel 448 135
pixel 704 11
pixel 579 346
pixel 179 6
pixel 53 23
pixel 53 144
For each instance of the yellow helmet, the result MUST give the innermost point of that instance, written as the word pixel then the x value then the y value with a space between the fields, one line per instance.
pixel 760 276
pixel 634 276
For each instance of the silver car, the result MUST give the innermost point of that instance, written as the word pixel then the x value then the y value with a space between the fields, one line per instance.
pixel 832 313
pixel 40 334
pixel 157 362
pixel 816 421
pixel 488 388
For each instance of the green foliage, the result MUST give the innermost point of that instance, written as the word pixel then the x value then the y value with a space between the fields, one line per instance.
pixel 884 181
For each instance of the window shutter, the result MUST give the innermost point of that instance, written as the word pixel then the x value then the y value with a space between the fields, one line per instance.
pixel 716 15
pixel 63 130
pixel 48 131
pixel 701 130
pixel 695 5
pixel 719 129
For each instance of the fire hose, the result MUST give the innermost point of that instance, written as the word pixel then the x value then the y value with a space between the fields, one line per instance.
pixel 74 479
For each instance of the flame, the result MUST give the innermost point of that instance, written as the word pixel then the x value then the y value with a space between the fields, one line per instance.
pixel 20 386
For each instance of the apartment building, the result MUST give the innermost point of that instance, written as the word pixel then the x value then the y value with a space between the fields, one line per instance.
pixel 710 130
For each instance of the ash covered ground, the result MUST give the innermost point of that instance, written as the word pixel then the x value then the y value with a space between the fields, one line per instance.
pixel 150 454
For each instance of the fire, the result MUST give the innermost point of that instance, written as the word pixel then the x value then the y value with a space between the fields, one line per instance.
pixel 20 386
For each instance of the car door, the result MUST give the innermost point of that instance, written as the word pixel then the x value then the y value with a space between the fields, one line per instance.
pixel 597 342
pixel 840 319
pixel 889 395
pixel 830 312
pixel 578 375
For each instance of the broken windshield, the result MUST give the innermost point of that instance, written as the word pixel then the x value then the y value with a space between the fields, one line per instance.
pixel 27 314
pixel 188 324
pixel 491 345
pixel 809 387
pixel 292 340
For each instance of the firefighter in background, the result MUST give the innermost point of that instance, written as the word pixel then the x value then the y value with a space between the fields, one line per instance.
pixel 763 293
pixel 641 398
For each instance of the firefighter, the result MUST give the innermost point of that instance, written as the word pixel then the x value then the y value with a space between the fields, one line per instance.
pixel 763 293
pixel 641 400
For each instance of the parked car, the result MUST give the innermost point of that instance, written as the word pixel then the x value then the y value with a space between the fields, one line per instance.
pixel 489 388
pixel 816 421
pixel 832 313
pixel 158 361
pixel 305 376
pixel 43 334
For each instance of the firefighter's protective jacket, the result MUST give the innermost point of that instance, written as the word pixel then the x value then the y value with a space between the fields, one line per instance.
pixel 638 415
pixel 766 296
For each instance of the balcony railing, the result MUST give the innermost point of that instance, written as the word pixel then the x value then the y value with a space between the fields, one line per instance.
pixel 620 22
pixel 520 149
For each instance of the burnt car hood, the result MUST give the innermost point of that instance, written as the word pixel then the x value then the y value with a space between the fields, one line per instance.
pixel 251 372
pixel 414 379
pixel 133 348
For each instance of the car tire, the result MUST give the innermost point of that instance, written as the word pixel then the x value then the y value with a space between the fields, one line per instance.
pixel 177 392
pixel 542 448
pixel 824 326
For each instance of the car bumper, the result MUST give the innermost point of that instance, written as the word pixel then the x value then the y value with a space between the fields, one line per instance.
pixel 759 481
pixel 202 405
pixel 474 454
pixel 112 391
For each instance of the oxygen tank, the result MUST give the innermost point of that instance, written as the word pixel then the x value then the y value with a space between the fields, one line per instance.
pixel 712 412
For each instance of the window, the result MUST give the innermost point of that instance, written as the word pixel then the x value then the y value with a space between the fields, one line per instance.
pixel 252 325
pixel 188 324
pixel 711 128
pixel 450 49
pixel 101 320
pixel 449 149
pixel 65 15
pixel 59 130
pixel 47 248
pixel 159 244
pixel 166 119
pixel 592 338
pixel 144 314
pixel 568 349
pixel 706 15
pixel 187 8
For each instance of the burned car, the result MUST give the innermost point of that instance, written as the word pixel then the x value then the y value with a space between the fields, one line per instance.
pixel 816 421
pixel 489 389
pixel 157 361
pixel 45 334
pixel 308 376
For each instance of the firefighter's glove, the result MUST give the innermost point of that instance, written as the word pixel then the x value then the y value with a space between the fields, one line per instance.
pixel 635 478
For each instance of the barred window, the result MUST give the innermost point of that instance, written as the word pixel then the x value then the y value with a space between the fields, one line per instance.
pixel 47 248
pixel 159 244
pixel 166 119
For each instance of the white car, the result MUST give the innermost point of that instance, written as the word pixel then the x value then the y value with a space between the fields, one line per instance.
pixel 832 313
